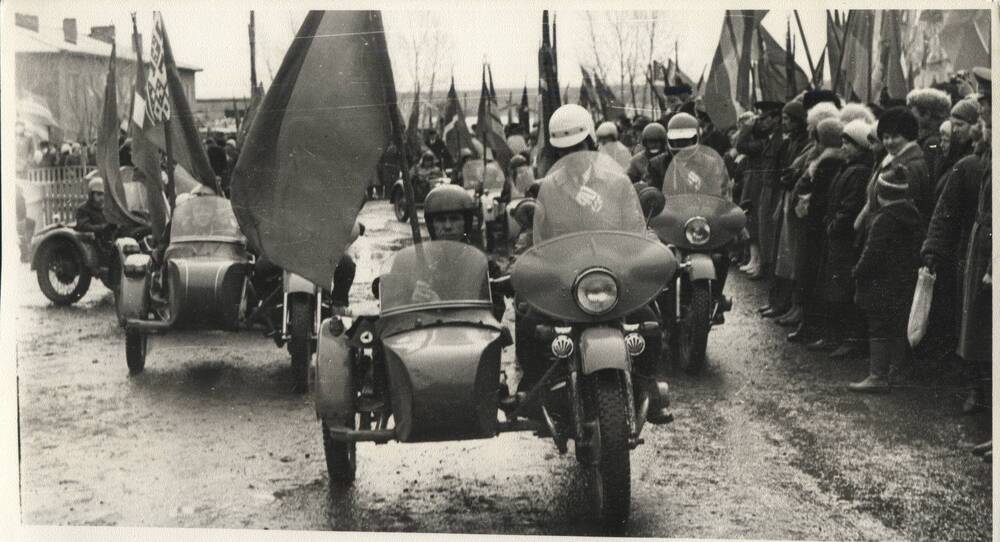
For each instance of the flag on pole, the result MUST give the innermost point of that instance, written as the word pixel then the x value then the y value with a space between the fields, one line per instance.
pixel 412 141
pixel 887 75
pixel 854 78
pixel 548 92
pixel 314 148
pixel 781 78
pixel 116 209
pixel 588 94
pixel 727 90
pixel 834 41
pixel 524 112
pixel 612 108
pixel 455 133
pixel 965 38
pixel 490 129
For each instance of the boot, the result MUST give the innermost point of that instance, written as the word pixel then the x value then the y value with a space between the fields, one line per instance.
pixel 901 366
pixel 878 379
pixel 792 317
pixel 753 266
pixel 847 349
pixel 801 334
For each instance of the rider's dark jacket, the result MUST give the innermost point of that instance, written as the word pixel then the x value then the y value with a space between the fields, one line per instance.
pixel 89 218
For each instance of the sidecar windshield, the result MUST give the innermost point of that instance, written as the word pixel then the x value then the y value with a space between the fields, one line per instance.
pixel 205 217
pixel 586 191
pixel 435 274
pixel 696 170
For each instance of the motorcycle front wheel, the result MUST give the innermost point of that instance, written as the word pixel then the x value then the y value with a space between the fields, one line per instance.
pixel 135 351
pixel 400 207
pixel 691 337
pixel 609 478
pixel 61 273
pixel 300 325
pixel 341 457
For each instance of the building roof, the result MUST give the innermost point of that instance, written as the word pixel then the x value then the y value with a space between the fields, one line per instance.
pixel 50 40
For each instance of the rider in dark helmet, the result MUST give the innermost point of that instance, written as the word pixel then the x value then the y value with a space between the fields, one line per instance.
pixel 451 214
pixel 654 143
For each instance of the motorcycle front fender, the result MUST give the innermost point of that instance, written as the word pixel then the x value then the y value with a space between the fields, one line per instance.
pixel 294 284
pixel 603 348
pixel 133 292
pixel 86 248
pixel 701 266
pixel 333 393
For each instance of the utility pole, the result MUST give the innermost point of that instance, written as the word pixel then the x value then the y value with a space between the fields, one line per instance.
pixel 253 57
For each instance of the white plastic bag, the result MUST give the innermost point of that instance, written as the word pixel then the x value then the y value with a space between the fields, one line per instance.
pixel 921 308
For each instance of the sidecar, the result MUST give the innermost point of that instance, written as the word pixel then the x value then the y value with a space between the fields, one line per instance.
pixel 199 281
pixel 429 361
pixel 421 187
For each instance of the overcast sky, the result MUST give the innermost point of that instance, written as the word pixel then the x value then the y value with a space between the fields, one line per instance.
pixel 214 38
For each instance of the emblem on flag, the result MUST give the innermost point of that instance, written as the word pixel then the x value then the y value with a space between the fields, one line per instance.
pixel 157 101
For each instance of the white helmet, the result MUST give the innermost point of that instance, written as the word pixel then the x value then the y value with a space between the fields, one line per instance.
pixel 682 127
pixel 607 129
pixel 569 125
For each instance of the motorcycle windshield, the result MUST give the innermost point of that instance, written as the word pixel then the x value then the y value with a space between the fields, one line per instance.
pixel 586 191
pixel 473 174
pixel 203 218
pixel 696 170
pixel 435 274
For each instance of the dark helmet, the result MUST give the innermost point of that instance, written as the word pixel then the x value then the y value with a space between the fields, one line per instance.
pixel 427 156
pixel 450 198
pixel 654 131
pixel 524 212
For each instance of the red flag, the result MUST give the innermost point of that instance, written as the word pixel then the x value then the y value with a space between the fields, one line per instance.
pixel 315 145
pixel 455 133
pixel 727 90
pixel 414 145
pixel 524 112
pixel 490 129
pixel 116 206
pixel 548 90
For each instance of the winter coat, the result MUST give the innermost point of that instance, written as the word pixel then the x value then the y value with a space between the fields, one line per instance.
pixel 761 150
pixel 975 339
pixel 814 186
pixel 656 170
pixel 930 144
pixel 945 164
pixel 638 167
pixel 845 198
pixel 886 273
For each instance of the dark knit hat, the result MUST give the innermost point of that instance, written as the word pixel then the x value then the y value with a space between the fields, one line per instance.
pixel 767 107
pixel 966 110
pixel 892 184
pixel 898 121
pixel 814 97
pixel 795 110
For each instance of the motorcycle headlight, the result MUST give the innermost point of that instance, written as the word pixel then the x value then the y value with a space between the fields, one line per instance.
pixel 596 291
pixel 697 231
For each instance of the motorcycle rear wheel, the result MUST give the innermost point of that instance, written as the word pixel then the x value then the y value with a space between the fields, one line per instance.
pixel 62 274
pixel 609 481
pixel 691 337
pixel 300 319
pixel 341 458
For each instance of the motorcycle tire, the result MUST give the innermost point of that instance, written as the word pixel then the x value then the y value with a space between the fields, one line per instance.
pixel 58 262
pixel 691 336
pixel 341 458
pixel 300 320
pixel 400 207
pixel 135 351
pixel 610 482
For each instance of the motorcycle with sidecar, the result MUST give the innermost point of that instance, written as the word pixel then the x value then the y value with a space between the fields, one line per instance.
pixel 422 185
pixel 65 262
pixel 427 366
pixel 697 224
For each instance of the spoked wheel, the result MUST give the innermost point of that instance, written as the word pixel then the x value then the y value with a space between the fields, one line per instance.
pixel 300 319
pixel 691 338
pixel 61 273
pixel 135 350
pixel 609 475
pixel 341 457
pixel 400 207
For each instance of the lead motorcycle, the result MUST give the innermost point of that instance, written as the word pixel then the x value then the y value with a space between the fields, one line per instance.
pixel 696 223
pixel 578 291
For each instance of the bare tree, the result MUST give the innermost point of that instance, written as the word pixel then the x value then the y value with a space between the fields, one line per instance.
pixel 628 40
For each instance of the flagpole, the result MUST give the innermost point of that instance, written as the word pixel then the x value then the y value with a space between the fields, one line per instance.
pixel 253 56
pixel 805 44
pixel 843 53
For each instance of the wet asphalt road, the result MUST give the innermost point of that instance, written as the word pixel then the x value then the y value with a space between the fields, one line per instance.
pixel 766 443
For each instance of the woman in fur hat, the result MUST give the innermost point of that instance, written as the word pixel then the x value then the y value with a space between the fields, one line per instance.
pixel 845 327
pixel 885 277
pixel 931 107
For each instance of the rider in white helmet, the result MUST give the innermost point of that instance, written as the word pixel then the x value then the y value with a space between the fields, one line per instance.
pixel 607 142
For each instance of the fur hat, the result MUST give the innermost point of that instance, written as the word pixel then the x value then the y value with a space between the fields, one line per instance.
pixel 899 121
pixel 892 185
pixel 795 110
pixel 820 111
pixel 930 101
pixel 966 110
pixel 857 131
pixel 853 111
pixel 945 127
pixel 814 97
pixel 828 132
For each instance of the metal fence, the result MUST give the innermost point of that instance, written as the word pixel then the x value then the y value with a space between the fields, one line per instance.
pixel 62 190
